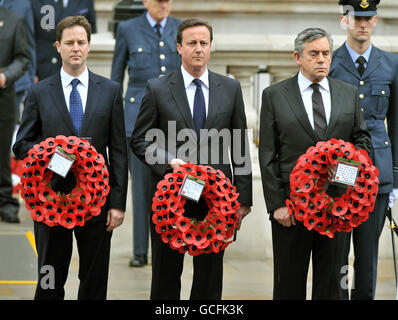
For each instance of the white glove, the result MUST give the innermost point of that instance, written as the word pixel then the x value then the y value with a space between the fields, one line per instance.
pixel 393 196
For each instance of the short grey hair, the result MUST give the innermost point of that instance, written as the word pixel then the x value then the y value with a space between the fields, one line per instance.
pixel 309 35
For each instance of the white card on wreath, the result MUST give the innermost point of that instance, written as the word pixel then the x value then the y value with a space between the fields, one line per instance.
pixel 60 163
pixel 192 188
pixel 346 172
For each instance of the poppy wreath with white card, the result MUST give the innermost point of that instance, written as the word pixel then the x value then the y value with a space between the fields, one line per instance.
pixel 212 234
pixel 311 204
pixel 85 197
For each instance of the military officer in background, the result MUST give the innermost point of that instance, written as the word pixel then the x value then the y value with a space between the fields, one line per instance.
pixel 47 14
pixel 375 73
pixel 147 46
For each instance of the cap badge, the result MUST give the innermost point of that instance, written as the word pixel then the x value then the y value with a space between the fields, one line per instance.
pixel 364 4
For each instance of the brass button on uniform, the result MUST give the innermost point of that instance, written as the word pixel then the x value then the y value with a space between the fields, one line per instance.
pixel 386 143
pixel 383 92
pixel 139 49
pixel 362 109
pixel 132 99
pixel 163 69
pixel 361 96
pixel 162 57
pixel 361 83
pixel 161 43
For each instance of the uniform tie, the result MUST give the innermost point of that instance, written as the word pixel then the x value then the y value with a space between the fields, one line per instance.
pixel 157 27
pixel 76 106
pixel 361 65
pixel 320 123
pixel 199 107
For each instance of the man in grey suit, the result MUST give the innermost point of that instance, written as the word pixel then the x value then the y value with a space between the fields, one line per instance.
pixel 295 114
pixel 14 61
pixel 191 100
pixel 24 8
pixel 146 45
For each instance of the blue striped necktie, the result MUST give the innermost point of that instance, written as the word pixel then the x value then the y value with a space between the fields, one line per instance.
pixel 76 106
pixel 199 107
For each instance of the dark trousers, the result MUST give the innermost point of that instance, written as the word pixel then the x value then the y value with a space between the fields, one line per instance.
pixel 140 191
pixel 366 250
pixel 8 204
pixel 292 248
pixel 167 267
pixel 54 247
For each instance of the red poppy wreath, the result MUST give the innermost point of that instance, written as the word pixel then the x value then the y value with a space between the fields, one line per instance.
pixel 185 234
pixel 87 194
pixel 309 201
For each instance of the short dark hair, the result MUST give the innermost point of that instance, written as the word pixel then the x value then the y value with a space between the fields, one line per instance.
pixel 188 23
pixel 72 21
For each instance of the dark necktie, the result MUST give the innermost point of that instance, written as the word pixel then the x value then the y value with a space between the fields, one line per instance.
pixel 157 27
pixel 199 107
pixel 361 65
pixel 76 106
pixel 61 5
pixel 320 123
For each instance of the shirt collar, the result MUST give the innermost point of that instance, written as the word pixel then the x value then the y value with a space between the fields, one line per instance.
pixel 188 78
pixel 354 55
pixel 66 78
pixel 152 22
pixel 304 83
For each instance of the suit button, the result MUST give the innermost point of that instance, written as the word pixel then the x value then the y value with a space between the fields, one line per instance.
pixel 132 99
pixel 161 43
pixel 162 57
pixel 163 69
pixel 54 60
pixel 361 96
pixel 361 83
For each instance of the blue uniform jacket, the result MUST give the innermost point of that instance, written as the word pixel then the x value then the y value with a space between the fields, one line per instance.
pixel 378 90
pixel 147 56
pixel 48 59
pixel 24 9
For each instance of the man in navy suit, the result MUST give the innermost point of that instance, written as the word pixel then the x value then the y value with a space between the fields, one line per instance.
pixel 24 9
pixel 148 53
pixel 47 114
pixel 47 13
pixel 375 73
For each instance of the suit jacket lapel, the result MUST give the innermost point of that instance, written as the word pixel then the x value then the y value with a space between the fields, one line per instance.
pixel 296 104
pixel 58 98
pixel 93 94
pixel 178 92
pixel 346 61
pixel 373 62
pixel 337 103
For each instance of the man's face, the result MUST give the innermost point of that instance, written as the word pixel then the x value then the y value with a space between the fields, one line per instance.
pixel 158 9
pixel 74 48
pixel 315 60
pixel 195 48
pixel 359 29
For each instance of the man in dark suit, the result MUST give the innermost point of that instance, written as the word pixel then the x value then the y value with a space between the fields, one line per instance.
pixel 47 14
pixel 375 73
pixel 295 114
pixel 50 110
pixel 192 98
pixel 24 8
pixel 148 53
pixel 14 60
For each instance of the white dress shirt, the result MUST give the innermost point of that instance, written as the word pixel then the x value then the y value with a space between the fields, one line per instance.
pixel 82 87
pixel 190 87
pixel 306 94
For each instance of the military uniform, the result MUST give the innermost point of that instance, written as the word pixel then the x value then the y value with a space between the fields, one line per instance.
pixel 48 59
pixel 378 93
pixel 147 56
